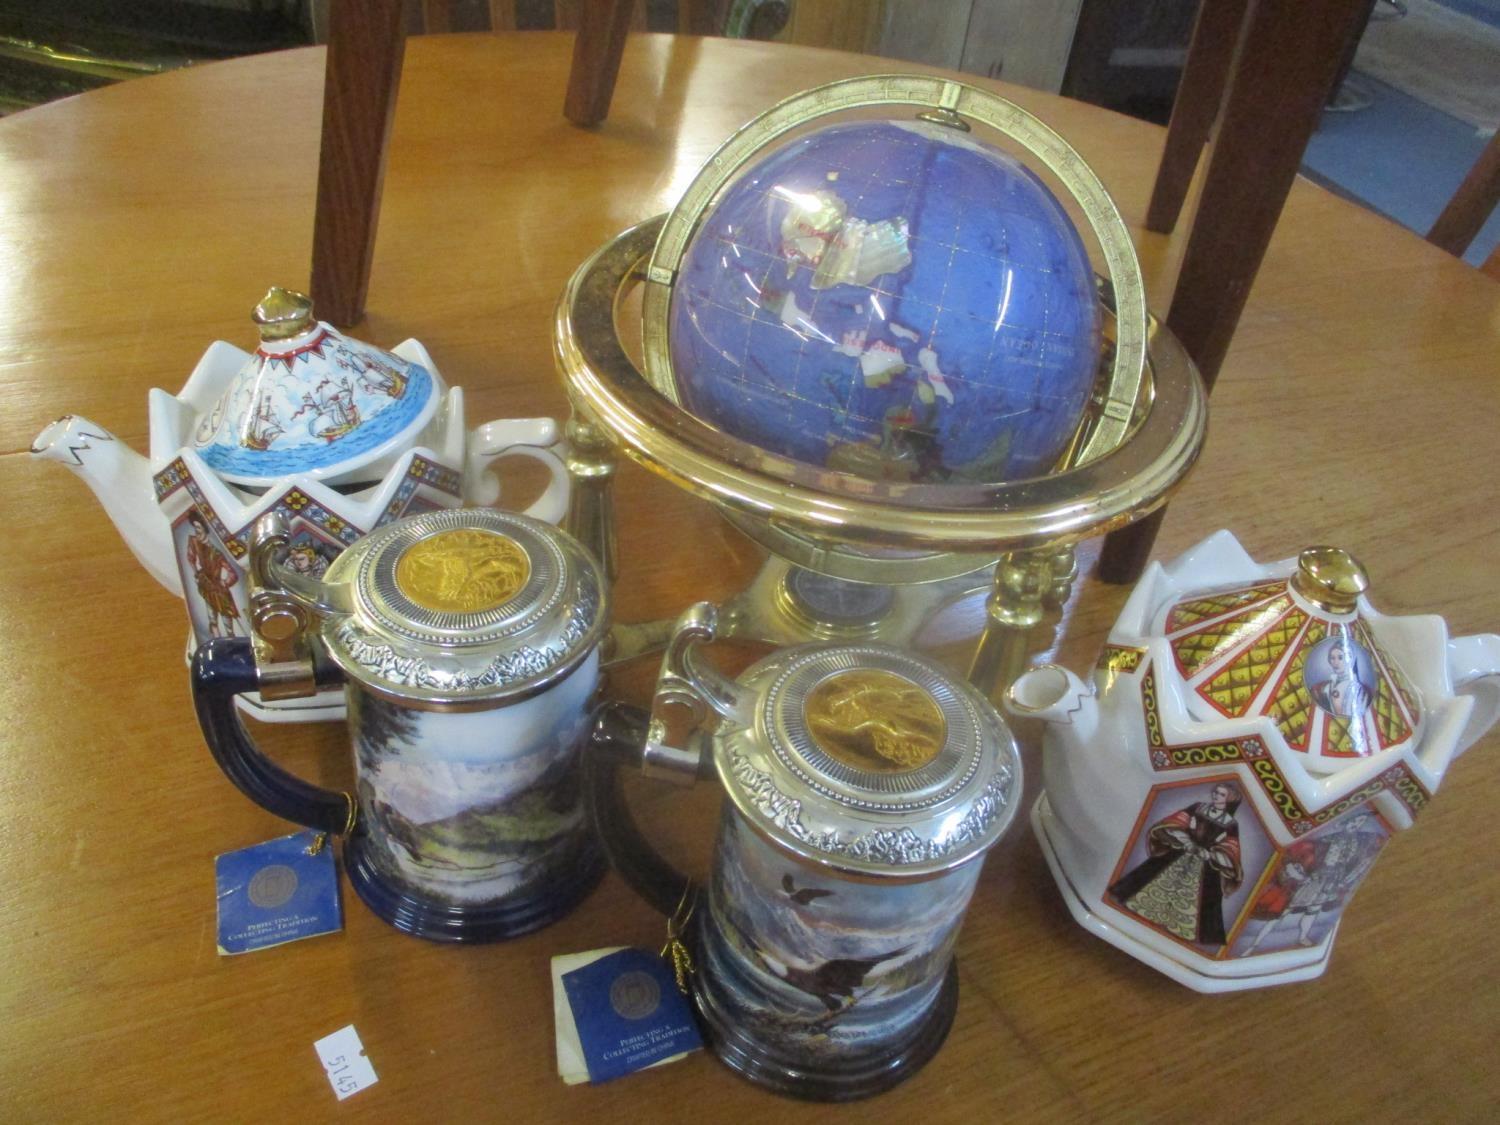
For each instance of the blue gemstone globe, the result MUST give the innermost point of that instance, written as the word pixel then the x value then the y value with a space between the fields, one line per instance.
pixel 896 300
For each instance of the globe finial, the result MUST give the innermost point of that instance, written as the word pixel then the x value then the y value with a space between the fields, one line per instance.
pixel 283 313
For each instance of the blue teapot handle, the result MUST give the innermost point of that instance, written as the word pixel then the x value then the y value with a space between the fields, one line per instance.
pixel 223 668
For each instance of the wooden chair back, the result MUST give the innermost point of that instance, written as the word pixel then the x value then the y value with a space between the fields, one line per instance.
pixel 1263 69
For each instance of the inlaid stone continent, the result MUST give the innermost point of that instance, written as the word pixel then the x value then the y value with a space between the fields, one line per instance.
pixel 892 299
pixel 463 571
pixel 875 720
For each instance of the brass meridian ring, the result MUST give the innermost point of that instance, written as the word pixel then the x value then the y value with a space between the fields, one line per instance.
pixel 948 97
pixel 463 570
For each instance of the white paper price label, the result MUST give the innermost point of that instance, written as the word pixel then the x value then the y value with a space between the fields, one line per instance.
pixel 343 1057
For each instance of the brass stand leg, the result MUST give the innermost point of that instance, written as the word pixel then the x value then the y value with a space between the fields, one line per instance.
pixel 591 511
pixel 1063 567
pixel 1023 580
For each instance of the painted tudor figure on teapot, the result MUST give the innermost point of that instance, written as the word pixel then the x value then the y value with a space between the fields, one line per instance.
pixel 1254 736
pixel 335 435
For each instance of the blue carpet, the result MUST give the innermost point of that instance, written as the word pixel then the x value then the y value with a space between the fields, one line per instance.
pixel 1400 157
pixel 1486 11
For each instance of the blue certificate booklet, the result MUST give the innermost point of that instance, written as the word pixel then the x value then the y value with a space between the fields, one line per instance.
pixel 626 1014
pixel 276 892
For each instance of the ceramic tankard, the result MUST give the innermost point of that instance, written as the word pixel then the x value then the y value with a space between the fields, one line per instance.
pixel 466 642
pixel 865 786
pixel 1254 735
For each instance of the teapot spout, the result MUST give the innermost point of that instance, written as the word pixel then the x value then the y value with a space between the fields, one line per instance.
pixel 121 479
pixel 1055 695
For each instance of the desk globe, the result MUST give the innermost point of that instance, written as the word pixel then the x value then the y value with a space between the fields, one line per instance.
pixel 878 347
pixel 893 299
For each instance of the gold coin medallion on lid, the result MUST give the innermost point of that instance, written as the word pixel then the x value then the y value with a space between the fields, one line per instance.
pixel 875 720
pixel 464 570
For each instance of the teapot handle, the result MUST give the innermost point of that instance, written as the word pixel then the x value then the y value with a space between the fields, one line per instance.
pixel 517 437
pixel 223 668
pixel 1474 665
pixel 618 738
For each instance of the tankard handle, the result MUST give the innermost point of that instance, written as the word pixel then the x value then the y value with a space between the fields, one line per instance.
pixel 618 738
pixel 223 668
pixel 687 685
pixel 518 437
pixel 625 735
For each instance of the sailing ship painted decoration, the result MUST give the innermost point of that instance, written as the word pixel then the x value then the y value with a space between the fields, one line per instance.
pixel 1254 736
pixel 312 400
pixel 334 435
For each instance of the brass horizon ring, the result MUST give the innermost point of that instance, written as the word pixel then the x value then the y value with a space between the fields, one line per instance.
pixel 795 498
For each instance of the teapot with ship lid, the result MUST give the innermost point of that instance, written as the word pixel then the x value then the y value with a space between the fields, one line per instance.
pixel 1253 737
pixel 335 435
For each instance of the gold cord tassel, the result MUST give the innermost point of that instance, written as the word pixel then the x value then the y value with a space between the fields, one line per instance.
pixel 320 841
pixel 675 949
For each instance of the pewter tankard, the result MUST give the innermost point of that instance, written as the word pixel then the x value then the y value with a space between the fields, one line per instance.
pixel 864 787
pixel 467 644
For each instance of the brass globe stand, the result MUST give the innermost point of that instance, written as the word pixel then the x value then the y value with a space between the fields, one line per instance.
pixel 852 557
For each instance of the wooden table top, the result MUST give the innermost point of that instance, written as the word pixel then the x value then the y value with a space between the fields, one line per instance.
pixel 1359 406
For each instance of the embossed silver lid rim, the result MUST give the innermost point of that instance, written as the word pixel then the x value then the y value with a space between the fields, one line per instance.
pixel 901 826
pixel 434 660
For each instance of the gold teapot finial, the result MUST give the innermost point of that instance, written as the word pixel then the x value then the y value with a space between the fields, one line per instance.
pixel 1331 578
pixel 283 313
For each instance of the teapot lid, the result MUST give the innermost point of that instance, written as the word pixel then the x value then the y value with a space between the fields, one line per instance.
pixel 313 401
pixel 1299 651
pixel 870 760
pixel 463 608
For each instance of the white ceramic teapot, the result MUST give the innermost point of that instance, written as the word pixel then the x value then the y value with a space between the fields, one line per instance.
pixel 337 436
pixel 1253 736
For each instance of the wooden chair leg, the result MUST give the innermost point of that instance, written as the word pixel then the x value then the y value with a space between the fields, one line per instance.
pixel 1492 264
pixel 1290 54
pixel 1199 95
pixel 365 44
pixel 1471 204
pixel 602 27
pixel 437 16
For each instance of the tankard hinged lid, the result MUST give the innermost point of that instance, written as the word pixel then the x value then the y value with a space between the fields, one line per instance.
pixel 871 760
pixel 468 607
